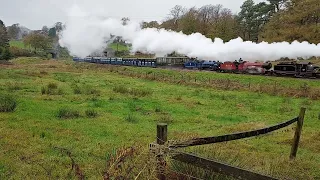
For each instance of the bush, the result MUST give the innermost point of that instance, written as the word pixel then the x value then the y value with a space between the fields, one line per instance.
pixel 67 113
pixel 5 54
pixel 51 89
pixel 19 52
pixel 49 56
pixel 91 113
pixel 52 86
pixel 7 103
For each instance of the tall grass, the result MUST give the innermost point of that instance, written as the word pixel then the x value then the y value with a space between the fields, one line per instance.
pixel 91 113
pixel 7 103
pixel 121 89
pixel 131 118
pixel 67 113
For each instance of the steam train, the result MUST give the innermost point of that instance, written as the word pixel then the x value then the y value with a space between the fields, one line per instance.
pixel 293 69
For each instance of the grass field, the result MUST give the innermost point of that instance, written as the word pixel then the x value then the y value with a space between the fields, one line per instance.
pixel 118 47
pixel 18 44
pixel 72 120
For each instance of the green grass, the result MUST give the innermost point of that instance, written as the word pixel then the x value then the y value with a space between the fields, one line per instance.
pixel 100 113
pixel 18 44
pixel 7 103
pixel 119 47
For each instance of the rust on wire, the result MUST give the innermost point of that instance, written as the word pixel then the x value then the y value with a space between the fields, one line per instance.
pixel 231 137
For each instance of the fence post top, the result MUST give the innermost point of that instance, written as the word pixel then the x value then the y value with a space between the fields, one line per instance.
pixel 162 124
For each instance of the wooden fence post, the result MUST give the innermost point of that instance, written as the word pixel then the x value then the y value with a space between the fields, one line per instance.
pixel 297 134
pixel 161 140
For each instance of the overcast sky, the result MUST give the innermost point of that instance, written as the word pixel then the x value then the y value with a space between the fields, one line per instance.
pixel 36 13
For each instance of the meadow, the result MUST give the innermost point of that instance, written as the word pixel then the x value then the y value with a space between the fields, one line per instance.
pixel 16 43
pixel 76 120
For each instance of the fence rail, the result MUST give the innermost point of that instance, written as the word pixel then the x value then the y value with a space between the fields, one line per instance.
pixel 219 167
pixel 161 149
pixel 231 137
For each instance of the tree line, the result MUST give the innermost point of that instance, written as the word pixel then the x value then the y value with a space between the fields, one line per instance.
pixel 36 43
pixel 271 21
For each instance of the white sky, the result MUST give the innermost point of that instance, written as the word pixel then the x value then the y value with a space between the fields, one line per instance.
pixel 36 13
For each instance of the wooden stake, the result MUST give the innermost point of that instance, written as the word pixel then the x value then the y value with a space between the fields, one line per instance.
pixel 161 133
pixel 161 140
pixel 297 134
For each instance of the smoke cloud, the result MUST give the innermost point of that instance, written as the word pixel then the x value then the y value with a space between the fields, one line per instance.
pixel 86 33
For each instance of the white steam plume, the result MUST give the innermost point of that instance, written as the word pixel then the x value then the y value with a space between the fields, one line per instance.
pixel 86 33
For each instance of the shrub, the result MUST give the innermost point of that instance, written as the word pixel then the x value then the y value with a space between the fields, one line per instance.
pixel 51 89
pixel 7 103
pixel 91 113
pixel 5 54
pixel 67 113
pixel 52 86
pixel 19 52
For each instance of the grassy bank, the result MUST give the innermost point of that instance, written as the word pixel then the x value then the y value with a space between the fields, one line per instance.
pixel 71 120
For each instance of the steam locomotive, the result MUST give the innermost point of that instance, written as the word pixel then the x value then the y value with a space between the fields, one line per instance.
pixel 293 69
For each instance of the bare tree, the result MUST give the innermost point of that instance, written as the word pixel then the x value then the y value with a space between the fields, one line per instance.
pixel 208 15
pixel 45 29
pixel 175 14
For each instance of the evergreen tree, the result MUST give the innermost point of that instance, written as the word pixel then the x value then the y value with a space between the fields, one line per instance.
pixel 4 42
pixel 4 39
